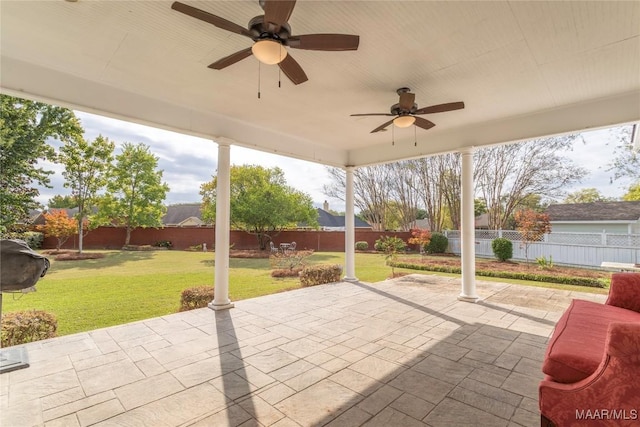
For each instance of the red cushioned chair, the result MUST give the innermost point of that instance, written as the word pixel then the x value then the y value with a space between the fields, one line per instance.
pixel 592 364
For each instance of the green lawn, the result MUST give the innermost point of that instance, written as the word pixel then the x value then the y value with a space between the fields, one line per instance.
pixel 128 286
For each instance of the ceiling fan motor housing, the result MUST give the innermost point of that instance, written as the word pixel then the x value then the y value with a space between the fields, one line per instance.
pixel 259 32
pixel 396 110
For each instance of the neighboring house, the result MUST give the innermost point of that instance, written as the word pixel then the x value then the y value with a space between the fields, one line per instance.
pixel 330 222
pixel 596 217
pixel 186 215
pixel 38 219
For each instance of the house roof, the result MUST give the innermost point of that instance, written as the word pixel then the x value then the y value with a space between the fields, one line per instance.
pixel 39 218
pixel 596 211
pixel 177 214
pixel 327 219
pixel 524 69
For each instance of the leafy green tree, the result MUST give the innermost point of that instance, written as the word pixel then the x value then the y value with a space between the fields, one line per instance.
pixel 479 207
pixel 633 194
pixel 135 191
pixel 261 202
pixel 25 127
pixel 587 195
pixel 62 202
pixel 86 164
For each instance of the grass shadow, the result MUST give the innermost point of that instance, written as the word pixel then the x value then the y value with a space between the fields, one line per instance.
pixel 111 259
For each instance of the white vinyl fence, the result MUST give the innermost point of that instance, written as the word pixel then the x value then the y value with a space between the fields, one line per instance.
pixel 580 249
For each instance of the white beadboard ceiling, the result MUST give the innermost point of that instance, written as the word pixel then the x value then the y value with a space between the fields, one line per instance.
pixel 523 68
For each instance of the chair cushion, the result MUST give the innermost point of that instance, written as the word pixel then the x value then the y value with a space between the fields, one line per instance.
pixel 578 342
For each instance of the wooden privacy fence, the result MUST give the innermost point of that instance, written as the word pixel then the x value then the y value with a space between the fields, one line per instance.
pixel 185 237
pixel 579 249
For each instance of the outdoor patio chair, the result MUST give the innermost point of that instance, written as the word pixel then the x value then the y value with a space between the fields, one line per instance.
pixel 273 248
pixel 292 247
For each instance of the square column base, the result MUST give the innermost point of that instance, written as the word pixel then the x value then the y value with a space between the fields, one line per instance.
pixel 468 299
pixel 212 306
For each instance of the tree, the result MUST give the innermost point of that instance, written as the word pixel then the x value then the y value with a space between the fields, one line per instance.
pixel 86 164
pixel 59 225
pixel 62 202
pixel 626 161
pixel 532 226
pixel 135 191
pixel 633 194
pixel 420 237
pixel 508 174
pixel 261 202
pixel 587 195
pixel 371 192
pixel 25 127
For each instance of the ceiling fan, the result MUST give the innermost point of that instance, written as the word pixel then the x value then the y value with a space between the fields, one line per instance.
pixel 406 110
pixel 272 33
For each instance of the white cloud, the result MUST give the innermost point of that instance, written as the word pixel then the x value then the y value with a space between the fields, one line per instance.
pixel 187 161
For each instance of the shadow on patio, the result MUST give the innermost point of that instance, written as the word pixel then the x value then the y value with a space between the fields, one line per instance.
pixel 402 352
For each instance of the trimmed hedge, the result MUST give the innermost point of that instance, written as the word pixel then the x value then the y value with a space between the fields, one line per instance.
pixel 362 246
pixel 21 327
pixel 319 274
pixel 534 277
pixel 198 297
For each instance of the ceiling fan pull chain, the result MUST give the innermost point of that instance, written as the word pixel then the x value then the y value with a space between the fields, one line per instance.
pixel 415 136
pixel 393 135
pixel 258 79
pixel 279 69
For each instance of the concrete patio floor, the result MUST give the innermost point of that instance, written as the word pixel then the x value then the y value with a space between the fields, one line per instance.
pixel 403 352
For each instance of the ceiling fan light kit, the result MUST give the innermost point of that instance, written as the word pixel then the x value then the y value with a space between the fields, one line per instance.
pixel 269 52
pixel 404 121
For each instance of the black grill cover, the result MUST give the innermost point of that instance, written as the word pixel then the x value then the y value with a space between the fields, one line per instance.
pixel 20 266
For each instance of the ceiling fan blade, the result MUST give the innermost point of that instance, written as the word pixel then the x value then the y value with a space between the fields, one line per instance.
pixel 277 12
pixel 329 42
pixel 382 126
pixel 406 100
pixel 373 114
pixel 423 123
pixel 210 18
pixel 441 108
pixel 231 59
pixel 293 70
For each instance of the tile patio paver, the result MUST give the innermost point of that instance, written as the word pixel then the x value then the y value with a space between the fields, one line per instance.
pixel 403 352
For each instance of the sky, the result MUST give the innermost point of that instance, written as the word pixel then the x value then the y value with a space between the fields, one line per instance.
pixel 189 161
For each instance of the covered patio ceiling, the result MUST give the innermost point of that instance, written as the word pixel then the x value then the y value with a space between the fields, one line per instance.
pixel 523 69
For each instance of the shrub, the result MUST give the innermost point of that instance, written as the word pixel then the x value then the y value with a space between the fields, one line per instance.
pixel 33 239
pixel 362 246
pixel 390 244
pixel 438 244
pixel 544 263
pixel 502 249
pixel 163 244
pixel 198 297
pixel 319 274
pixel 21 327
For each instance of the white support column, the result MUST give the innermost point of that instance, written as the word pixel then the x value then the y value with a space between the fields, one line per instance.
pixel 223 218
pixel 468 292
pixel 350 230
